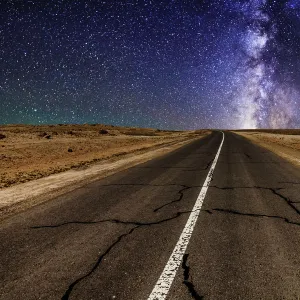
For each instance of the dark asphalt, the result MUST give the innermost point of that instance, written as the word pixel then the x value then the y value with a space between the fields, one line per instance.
pixel 112 238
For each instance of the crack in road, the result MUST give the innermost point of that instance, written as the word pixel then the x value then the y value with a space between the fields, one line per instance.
pixel 96 265
pixel 136 224
pixel 275 191
pixel 181 194
pixel 236 212
pixel 116 221
pixel 186 279
pixel 247 155
pixel 286 199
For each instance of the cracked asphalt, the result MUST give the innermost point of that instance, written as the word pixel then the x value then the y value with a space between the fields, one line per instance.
pixel 112 238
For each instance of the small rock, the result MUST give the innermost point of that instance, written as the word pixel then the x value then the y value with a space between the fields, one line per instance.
pixel 48 136
pixel 2 136
pixel 70 150
pixel 42 134
pixel 103 131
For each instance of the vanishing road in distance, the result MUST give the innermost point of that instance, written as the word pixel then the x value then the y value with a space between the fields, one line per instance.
pixel 218 218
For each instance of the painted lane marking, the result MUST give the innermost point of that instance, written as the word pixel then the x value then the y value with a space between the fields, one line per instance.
pixel 166 278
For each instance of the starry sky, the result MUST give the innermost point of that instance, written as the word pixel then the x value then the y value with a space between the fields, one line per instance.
pixel 174 64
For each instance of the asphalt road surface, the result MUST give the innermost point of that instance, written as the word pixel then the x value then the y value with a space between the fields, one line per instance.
pixel 113 238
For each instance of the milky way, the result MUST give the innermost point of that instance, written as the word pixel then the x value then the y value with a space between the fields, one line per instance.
pixel 268 93
pixel 180 64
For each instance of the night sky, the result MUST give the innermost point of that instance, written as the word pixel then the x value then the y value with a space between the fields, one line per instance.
pixel 180 64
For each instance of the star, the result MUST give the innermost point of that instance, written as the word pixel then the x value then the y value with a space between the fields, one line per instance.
pixel 177 65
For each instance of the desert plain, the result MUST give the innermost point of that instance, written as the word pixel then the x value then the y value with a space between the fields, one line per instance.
pixel 30 152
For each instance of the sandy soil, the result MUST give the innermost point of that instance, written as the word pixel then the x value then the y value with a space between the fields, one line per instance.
pixel 283 142
pixel 31 152
pixel 27 154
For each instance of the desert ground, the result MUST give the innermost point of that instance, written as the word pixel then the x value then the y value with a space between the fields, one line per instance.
pixel 30 152
pixel 283 142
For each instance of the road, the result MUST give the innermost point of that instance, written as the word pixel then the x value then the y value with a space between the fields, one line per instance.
pixel 113 238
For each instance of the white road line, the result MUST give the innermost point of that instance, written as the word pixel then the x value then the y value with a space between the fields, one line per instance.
pixel 166 278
